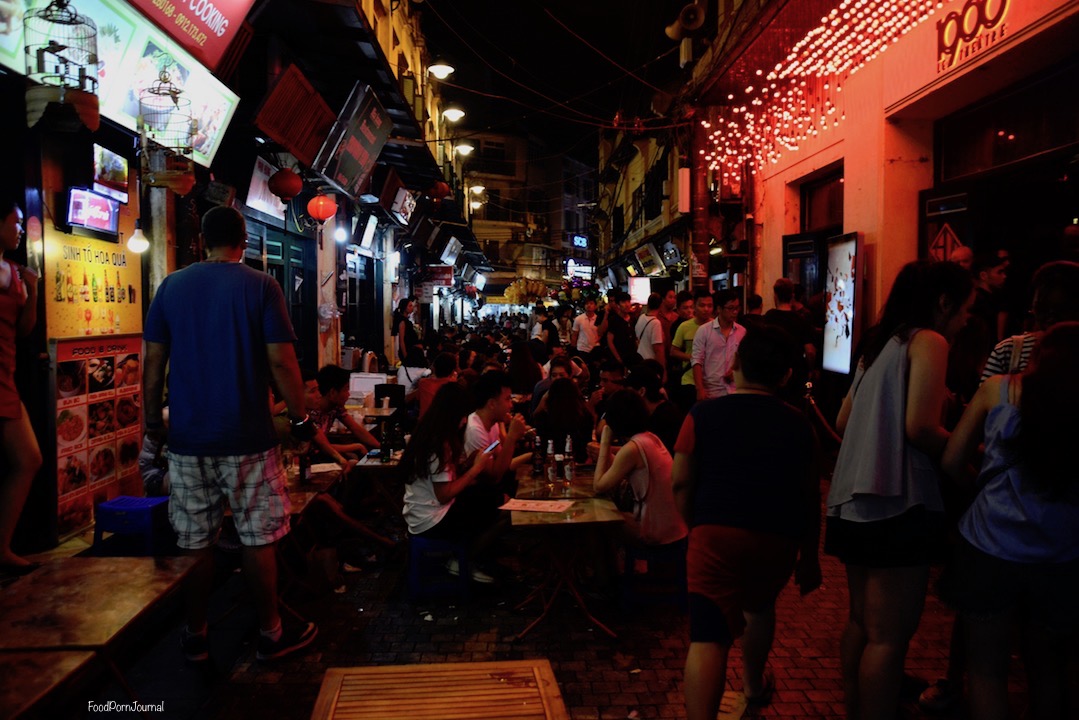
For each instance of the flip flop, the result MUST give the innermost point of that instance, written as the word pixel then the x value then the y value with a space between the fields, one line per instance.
pixel 768 689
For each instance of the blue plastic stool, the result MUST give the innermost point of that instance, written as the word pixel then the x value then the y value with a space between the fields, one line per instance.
pixel 665 579
pixel 126 515
pixel 427 573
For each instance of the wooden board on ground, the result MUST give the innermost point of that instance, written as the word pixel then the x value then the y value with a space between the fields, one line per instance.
pixel 445 691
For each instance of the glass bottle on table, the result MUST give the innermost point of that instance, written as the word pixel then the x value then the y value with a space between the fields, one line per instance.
pixel 551 474
pixel 537 456
pixel 570 468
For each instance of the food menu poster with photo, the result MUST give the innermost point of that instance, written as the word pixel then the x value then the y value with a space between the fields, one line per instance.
pixel 839 298
pixel 92 287
pixel 132 52
pixel 98 392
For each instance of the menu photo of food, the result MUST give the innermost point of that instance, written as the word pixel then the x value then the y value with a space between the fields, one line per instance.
pixel 71 425
pixel 101 418
pixel 75 514
pixel 102 463
pixel 71 473
pixel 127 371
pixel 128 452
pixel 127 411
pixel 71 378
pixel 101 372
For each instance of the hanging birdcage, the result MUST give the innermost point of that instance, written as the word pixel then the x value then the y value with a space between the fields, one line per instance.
pixel 61 59
pixel 167 131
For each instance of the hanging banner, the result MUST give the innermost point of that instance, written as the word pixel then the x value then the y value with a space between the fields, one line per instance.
pixel 203 27
pixel 132 53
pixel 98 424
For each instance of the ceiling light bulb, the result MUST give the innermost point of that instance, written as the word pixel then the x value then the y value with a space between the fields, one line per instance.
pixel 138 242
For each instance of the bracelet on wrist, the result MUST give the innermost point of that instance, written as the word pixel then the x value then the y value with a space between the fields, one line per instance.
pixel 296 422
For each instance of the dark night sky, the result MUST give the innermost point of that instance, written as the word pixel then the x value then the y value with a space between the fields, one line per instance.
pixel 547 64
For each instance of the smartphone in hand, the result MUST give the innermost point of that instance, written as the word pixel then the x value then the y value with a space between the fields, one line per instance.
pixel 491 448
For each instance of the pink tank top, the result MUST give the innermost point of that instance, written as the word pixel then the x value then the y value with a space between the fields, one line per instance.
pixel 11 302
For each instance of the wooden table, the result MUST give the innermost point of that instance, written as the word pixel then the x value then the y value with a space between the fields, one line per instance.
pixel 563 542
pixel 457 691
pixel 70 610
pixel 31 683
pixel 86 603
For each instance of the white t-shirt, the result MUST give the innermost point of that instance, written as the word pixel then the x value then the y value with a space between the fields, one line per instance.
pixel 588 335
pixel 537 329
pixel 649 332
pixel 422 509
pixel 477 436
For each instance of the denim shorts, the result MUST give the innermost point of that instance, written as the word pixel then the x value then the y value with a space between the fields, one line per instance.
pixel 253 486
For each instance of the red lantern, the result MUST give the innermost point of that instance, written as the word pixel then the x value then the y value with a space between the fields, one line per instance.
pixel 322 207
pixel 285 184
pixel 439 190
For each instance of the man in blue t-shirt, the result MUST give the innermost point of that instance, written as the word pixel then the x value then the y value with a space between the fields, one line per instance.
pixel 224 332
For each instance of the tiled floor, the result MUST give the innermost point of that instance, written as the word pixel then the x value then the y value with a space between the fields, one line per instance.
pixel 638 675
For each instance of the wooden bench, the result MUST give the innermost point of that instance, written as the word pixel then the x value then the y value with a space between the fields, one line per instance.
pixel 446 691
pixel 70 614
pixel 35 684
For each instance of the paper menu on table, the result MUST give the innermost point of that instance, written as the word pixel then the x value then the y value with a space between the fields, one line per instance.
pixel 553 506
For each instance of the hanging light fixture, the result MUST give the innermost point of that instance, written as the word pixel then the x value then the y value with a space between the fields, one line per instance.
pixel 453 113
pixel 441 68
pixel 322 207
pixel 167 130
pixel 477 188
pixel 60 50
pixel 464 149
pixel 138 242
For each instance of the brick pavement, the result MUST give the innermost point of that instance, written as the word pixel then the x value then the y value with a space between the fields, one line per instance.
pixel 638 675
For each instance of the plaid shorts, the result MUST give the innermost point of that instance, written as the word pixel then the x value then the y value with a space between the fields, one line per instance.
pixel 253 485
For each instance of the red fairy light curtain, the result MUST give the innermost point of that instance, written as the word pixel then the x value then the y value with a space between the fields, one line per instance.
pixel 801 96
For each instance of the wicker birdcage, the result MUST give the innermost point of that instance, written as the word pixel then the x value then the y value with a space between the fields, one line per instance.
pixel 60 50
pixel 167 130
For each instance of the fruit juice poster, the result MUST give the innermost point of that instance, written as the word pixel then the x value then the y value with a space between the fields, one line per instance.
pixel 92 287
pixel 98 423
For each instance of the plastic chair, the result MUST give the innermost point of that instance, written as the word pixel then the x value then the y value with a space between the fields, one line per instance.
pixel 427 574
pixel 664 580
pixel 126 515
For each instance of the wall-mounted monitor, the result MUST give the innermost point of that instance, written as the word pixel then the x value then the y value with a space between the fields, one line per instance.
pixel 404 203
pixel 369 227
pixel 451 251
pixel 92 215
pixel 110 173
pixel 639 289
pixel 842 299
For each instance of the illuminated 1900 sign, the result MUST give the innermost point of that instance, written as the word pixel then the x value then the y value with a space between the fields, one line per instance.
pixel 977 25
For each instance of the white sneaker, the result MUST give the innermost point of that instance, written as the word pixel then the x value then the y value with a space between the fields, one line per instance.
pixel 476 574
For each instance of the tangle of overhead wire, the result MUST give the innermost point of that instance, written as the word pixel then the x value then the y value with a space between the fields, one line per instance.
pixel 453 30
pixel 599 52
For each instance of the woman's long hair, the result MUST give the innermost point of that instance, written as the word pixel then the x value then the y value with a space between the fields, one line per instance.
pixel 565 406
pixel 915 300
pixel 1050 422
pixel 524 371
pixel 438 433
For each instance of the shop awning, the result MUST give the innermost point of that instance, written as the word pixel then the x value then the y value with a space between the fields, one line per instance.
pixel 335 46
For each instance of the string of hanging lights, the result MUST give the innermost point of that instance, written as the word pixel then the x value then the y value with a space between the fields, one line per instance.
pixel 801 96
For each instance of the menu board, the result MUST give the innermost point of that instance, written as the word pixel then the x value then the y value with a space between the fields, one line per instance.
pixel 348 155
pixel 98 386
pixel 91 286
pixel 132 51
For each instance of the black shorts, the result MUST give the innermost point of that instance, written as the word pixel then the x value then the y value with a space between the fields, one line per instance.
pixel 980 586
pixel 914 538
pixel 473 512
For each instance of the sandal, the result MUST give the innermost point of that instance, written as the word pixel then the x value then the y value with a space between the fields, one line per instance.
pixel 768 689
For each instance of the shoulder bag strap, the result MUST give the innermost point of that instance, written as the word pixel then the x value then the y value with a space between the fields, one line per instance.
pixel 1017 354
